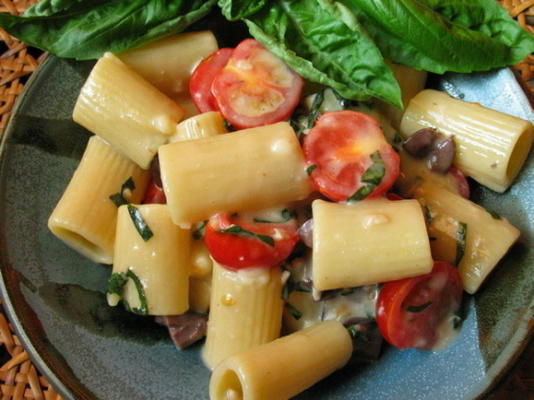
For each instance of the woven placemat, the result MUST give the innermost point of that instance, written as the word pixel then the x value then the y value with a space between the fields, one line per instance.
pixel 19 379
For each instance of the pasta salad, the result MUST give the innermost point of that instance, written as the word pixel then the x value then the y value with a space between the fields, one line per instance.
pixel 292 227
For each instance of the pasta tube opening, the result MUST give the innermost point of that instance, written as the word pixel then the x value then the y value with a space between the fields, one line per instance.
pixel 519 154
pixel 83 245
pixel 229 387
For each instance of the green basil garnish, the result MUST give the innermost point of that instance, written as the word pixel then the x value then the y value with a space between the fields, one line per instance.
pixel 285 214
pixel 428 215
pixel 293 311
pixel 143 308
pixel 371 178
pixel 397 141
pixel 116 283
pixel 118 198
pixel 461 235
pixel 139 223
pixel 198 233
pixel 419 308
pixel 237 230
pixel 314 110
pixel 310 169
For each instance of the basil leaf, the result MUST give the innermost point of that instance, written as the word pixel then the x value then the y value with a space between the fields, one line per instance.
pixel 118 198
pixel 371 178
pixel 285 214
pixel 237 230
pixel 143 308
pixel 116 283
pixel 489 18
pixel 293 311
pixel 419 308
pixel 310 169
pixel 427 214
pixel 461 236
pixel 361 193
pixel 198 233
pixel 314 111
pixel 85 29
pixel 139 223
pixel 411 33
pixel 235 9
pixel 323 41
pixel 374 174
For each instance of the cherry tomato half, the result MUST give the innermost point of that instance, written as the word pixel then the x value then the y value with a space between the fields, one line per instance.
pixel 256 88
pixel 350 156
pixel 237 243
pixel 154 194
pixel 202 78
pixel 409 310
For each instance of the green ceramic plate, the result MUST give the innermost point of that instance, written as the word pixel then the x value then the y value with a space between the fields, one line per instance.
pixel 55 297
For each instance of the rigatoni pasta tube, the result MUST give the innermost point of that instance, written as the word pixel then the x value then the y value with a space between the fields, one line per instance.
pixel 161 263
pixel 285 367
pixel 491 146
pixel 124 109
pixel 368 242
pixel 200 279
pixel 465 232
pixel 85 216
pixel 169 62
pixel 201 125
pixel 246 170
pixel 245 311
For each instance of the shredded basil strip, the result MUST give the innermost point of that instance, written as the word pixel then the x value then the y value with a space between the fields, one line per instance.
pixel 139 223
pixel 143 308
pixel 461 235
pixel 198 233
pixel 285 214
pixel 397 141
pixel 314 111
pixel 294 286
pixel 293 311
pixel 237 230
pixel 371 178
pixel 116 283
pixel 118 198
pixel 419 308
pixel 428 215
pixel 310 169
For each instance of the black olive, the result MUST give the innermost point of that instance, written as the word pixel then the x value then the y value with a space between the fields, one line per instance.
pixel 420 144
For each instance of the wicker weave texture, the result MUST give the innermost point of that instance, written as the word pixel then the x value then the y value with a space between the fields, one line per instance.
pixel 18 377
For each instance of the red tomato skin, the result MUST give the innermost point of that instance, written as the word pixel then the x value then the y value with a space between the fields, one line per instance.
pixel 339 170
pixel 393 196
pixel 202 79
pixel 237 252
pixel 461 182
pixel 256 82
pixel 395 296
pixel 154 194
